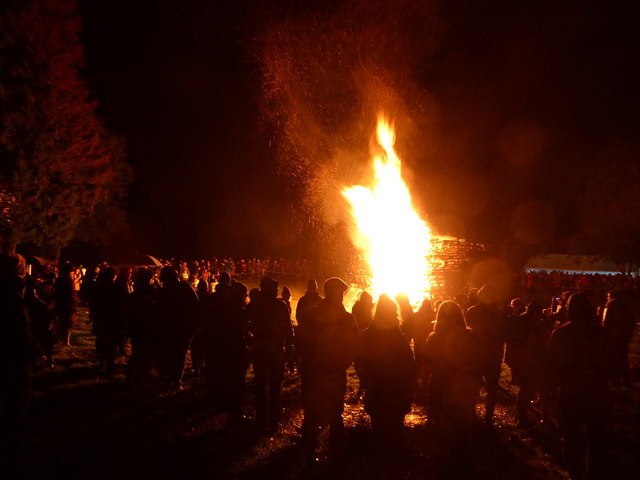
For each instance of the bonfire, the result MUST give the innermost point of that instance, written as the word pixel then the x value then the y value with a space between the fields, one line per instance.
pixel 392 237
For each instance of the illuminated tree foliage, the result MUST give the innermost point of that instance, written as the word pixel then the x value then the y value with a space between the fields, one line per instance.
pixel 328 68
pixel 58 163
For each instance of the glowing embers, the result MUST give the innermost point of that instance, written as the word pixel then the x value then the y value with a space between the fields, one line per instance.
pixel 394 239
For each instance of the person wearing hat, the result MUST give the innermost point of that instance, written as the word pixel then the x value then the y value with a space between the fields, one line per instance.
pixel 327 342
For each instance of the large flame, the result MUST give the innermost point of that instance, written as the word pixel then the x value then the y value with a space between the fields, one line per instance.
pixel 394 239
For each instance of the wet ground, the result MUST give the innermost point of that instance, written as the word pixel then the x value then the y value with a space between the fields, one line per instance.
pixel 84 426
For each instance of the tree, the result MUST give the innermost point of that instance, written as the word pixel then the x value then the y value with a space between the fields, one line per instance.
pixel 58 163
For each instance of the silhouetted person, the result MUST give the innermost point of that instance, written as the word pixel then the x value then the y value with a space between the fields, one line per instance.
pixel 327 341
pixel 87 285
pixel 234 326
pixel 407 325
pixel 177 305
pixel 41 304
pixel 141 326
pixel 123 291
pixel 619 323
pixel 109 322
pixel 211 312
pixel 16 354
pixel 463 301
pixel 487 323
pixel 576 367
pixel 472 297
pixel 387 370
pixel 516 308
pixel 310 299
pixel 199 342
pixel 452 356
pixel 65 303
pixel 272 333
pixel 286 298
pixel 423 321
pixel 526 347
pixel 363 311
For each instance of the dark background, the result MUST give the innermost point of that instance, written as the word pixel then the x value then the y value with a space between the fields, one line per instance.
pixel 179 81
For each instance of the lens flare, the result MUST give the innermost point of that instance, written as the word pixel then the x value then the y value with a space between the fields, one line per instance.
pixel 388 231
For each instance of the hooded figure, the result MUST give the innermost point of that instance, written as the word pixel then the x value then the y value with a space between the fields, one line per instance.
pixel 327 342
pixel 363 311
pixel 310 299
pixel 387 370
pixel 576 367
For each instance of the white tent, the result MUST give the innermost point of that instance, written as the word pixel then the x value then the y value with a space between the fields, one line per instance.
pixel 577 264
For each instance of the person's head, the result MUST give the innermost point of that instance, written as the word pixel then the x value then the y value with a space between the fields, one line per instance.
pixel 66 268
pixel 254 294
pixel 334 289
pixel 286 294
pixel 534 308
pixel 268 287
pixel 239 293
pixel 225 278
pixel 169 276
pixel 402 299
pixel 488 295
pixel 426 306
pixel 125 273
pixel 143 278
pixel 386 316
pixel 108 274
pixel 312 286
pixel 564 298
pixel 12 267
pixel 462 300
pixel 203 287
pixel 449 318
pixel 472 297
pixel 579 309
pixel 366 298
pixel 517 306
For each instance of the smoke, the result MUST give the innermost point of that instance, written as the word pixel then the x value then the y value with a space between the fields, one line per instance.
pixel 326 74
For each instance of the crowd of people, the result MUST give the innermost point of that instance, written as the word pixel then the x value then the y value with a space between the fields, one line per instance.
pixel 257 267
pixel 560 280
pixel 562 357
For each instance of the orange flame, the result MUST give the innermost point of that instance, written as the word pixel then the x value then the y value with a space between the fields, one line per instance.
pixel 395 241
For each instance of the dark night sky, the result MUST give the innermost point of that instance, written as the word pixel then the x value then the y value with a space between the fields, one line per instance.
pixel 177 80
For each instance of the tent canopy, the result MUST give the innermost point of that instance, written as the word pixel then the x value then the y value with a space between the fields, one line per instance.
pixel 576 264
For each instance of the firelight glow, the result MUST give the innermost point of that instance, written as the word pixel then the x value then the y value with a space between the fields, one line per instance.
pixel 393 238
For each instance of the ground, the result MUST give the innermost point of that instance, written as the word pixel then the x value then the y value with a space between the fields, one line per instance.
pixel 83 426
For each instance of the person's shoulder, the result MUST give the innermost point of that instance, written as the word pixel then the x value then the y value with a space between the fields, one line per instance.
pixel 563 331
pixel 473 309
